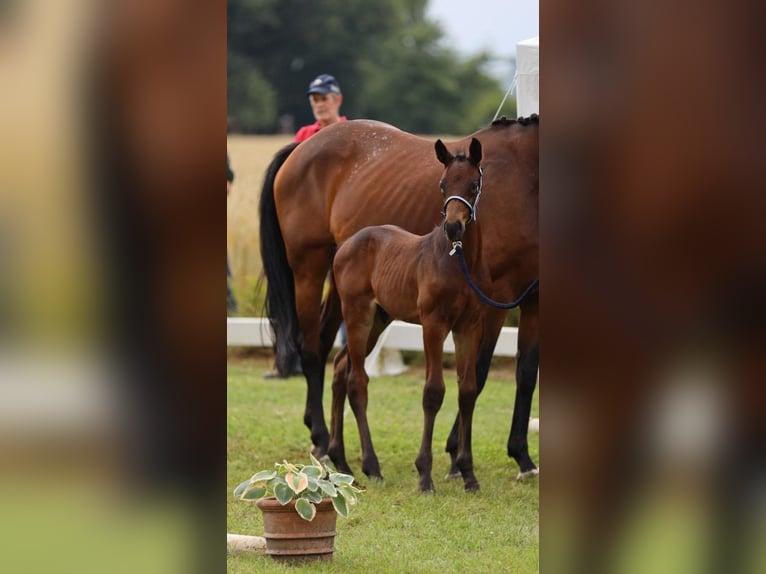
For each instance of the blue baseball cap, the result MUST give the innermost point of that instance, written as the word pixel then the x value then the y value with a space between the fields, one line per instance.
pixel 324 84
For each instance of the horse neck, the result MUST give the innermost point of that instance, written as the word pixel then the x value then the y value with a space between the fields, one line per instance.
pixel 472 244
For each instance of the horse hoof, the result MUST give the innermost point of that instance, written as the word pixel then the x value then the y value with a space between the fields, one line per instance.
pixel 453 475
pixel 373 474
pixel 320 454
pixel 528 474
pixel 472 487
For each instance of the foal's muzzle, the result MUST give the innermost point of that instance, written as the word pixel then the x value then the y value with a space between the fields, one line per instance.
pixel 454 230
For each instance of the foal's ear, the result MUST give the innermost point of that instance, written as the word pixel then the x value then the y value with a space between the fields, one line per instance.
pixel 475 151
pixel 442 153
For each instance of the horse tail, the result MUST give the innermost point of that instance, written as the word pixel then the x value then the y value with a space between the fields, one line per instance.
pixel 279 304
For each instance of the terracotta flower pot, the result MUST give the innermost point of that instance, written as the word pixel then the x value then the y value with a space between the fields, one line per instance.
pixel 291 538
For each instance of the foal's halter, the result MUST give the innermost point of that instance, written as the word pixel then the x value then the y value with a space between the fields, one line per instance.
pixel 464 200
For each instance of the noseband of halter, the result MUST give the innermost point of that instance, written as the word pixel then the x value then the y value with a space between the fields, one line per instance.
pixel 467 203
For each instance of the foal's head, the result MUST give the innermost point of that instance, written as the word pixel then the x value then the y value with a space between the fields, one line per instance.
pixel 460 186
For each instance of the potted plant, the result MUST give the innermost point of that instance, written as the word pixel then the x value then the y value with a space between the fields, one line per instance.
pixel 300 504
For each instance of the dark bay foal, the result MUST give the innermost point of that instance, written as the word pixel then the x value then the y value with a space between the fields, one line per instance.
pixel 384 273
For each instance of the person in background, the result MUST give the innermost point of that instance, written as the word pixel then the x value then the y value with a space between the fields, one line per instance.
pixel 325 99
pixel 231 300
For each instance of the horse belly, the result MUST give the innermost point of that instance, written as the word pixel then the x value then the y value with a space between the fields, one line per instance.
pixel 400 309
pixel 396 289
pixel 399 303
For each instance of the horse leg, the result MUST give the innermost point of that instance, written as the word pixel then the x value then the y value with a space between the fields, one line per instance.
pixel 310 273
pixel 433 397
pixel 493 323
pixel 337 449
pixel 527 363
pixel 340 385
pixel 466 348
pixel 329 320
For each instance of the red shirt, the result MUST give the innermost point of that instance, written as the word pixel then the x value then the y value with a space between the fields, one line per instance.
pixel 307 131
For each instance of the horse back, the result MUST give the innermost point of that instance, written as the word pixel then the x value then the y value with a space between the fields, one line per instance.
pixel 364 173
pixel 356 174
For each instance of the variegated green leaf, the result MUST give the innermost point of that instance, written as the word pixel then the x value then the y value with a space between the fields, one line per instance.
pixel 313 471
pixel 340 505
pixel 255 493
pixel 314 461
pixel 340 478
pixel 263 475
pixel 348 494
pixel 283 493
pixel 328 488
pixel 313 496
pixel 313 484
pixel 272 484
pixel 305 509
pixel 297 482
pixel 241 488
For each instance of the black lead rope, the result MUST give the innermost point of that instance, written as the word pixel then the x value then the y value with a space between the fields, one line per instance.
pixel 457 247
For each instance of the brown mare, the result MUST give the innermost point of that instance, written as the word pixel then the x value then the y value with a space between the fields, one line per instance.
pixel 416 279
pixel 349 176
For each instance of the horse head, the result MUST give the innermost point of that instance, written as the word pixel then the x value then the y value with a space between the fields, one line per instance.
pixel 460 186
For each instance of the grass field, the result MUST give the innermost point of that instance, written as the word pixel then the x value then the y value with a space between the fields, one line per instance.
pixel 394 528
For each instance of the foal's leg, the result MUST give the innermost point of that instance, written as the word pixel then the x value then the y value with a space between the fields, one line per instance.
pixel 527 363
pixel 359 324
pixel 433 397
pixel 493 323
pixel 466 347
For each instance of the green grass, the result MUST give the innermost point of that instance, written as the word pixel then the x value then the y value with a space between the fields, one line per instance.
pixel 394 528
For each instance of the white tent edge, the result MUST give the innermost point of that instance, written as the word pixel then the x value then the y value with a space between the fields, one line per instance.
pixel 528 76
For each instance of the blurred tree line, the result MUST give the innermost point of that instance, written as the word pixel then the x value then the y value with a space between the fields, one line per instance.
pixel 392 63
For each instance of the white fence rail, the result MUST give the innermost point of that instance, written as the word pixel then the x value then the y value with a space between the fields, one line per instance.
pixel 256 332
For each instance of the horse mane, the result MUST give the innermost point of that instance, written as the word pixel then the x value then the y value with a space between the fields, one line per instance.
pixel 503 121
